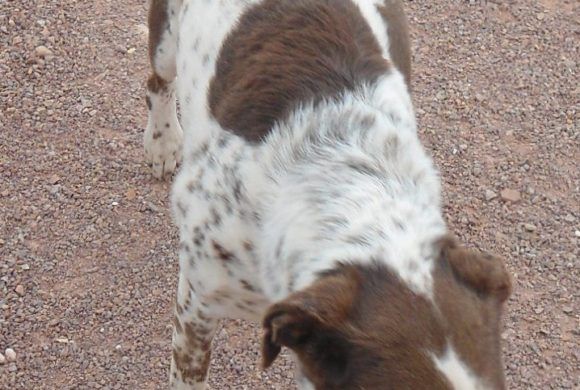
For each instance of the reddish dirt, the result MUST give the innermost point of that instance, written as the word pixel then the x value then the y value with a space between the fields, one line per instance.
pixel 88 250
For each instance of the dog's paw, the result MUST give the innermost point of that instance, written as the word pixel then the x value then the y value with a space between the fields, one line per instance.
pixel 163 148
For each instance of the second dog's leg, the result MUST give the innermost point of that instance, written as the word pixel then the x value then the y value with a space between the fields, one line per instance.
pixel 163 135
pixel 192 336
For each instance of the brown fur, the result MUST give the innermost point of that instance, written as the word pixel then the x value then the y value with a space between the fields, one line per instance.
pixel 158 21
pixel 361 327
pixel 198 338
pixel 287 52
pixel 474 314
pixel 156 84
pixel 398 31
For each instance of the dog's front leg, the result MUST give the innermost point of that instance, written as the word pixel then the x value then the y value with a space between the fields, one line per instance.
pixel 163 135
pixel 193 332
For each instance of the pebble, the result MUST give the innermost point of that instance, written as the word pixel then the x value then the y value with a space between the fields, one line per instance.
pixel 510 195
pixel 10 355
pixel 490 195
pixel 529 227
pixel 42 51
pixel 131 194
pixel 143 30
pixel 54 179
pixel 19 290
pixel 2 359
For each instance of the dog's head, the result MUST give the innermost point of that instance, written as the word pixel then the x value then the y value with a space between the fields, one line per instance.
pixel 361 327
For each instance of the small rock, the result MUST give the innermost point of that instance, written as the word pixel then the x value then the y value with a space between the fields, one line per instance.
pixel 54 179
pixel 569 218
pixel 19 290
pixel 143 31
pixel 42 51
pixel 131 50
pixel 577 233
pixel 490 195
pixel 2 359
pixel 12 368
pixel 510 195
pixel 10 355
pixel 567 309
pixel 152 207
pixel 25 267
pixel 529 227
pixel 131 194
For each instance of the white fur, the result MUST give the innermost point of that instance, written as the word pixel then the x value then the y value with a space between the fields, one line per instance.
pixel 164 152
pixel 458 374
pixel 301 167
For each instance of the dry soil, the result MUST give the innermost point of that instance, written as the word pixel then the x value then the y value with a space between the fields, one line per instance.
pixel 88 250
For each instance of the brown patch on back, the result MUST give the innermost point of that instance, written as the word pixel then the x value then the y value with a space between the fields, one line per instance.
pixel 287 52
pixel 398 32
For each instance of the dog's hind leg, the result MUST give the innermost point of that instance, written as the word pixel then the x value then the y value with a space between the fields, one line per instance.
pixel 163 135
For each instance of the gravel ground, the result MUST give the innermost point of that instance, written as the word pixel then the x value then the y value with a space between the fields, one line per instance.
pixel 87 247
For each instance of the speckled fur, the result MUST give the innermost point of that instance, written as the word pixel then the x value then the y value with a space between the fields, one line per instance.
pixel 345 179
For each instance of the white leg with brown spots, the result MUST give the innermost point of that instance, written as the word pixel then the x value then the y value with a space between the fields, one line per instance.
pixel 163 137
pixel 192 336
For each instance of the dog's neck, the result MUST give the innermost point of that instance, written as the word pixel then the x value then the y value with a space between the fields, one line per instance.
pixel 351 182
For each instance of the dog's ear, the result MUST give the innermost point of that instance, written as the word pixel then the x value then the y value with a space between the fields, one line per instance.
pixel 322 351
pixel 285 325
pixel 483 272
pixel 308 316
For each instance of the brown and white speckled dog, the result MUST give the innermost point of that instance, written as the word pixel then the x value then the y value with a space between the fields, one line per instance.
pixel 305 199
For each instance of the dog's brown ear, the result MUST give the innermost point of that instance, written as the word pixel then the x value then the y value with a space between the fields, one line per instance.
pixel 483 272
pixel 308 314
pixel 285 325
